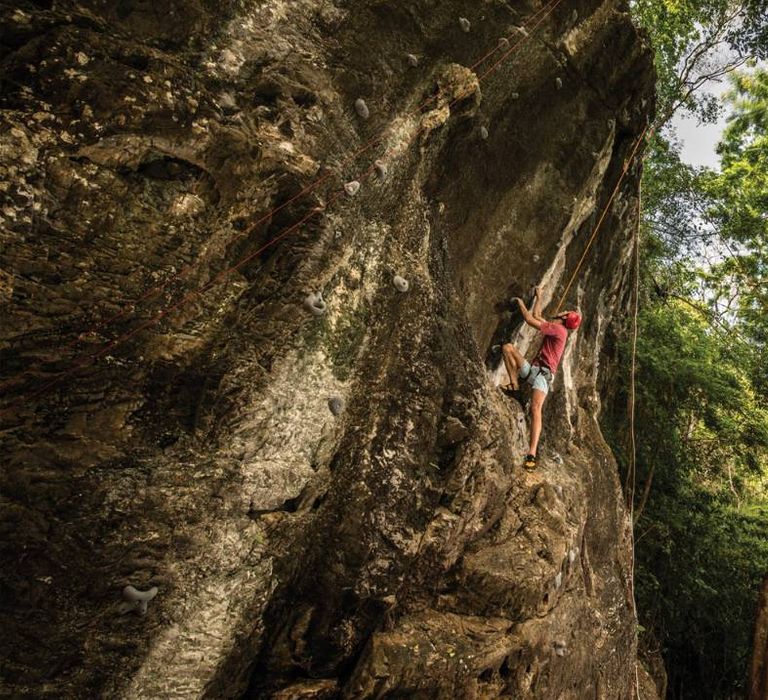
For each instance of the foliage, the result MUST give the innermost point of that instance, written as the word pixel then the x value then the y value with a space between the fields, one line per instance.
pixel 701 497
pixel 739 203
pixel 702 436
pixel 696 41
pixel 698 570
pixel 686 36
pixel 752 33
pixel 673 198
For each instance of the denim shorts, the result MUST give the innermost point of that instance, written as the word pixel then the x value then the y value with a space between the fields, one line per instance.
pixel 538 377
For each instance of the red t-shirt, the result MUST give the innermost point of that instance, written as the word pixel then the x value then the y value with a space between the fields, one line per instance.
pixel 555 335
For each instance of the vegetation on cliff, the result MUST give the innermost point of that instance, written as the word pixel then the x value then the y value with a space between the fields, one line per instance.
pixel 701 493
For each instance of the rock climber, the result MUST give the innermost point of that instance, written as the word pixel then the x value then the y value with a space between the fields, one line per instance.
pixel 539 373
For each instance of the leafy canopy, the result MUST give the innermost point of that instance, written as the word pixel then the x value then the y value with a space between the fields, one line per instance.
pixel 701 495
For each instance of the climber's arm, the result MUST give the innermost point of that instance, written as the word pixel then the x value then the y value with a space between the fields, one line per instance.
pixel 536 311
pixel 529 318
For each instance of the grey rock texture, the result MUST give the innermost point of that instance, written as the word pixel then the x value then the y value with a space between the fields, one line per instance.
pixel 172 189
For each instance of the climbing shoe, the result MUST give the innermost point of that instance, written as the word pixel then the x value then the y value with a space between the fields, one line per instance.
pixel 530 462
pixel 515 394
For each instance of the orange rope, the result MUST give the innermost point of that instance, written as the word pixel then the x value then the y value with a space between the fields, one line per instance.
pixel 624 171
pixel 632 469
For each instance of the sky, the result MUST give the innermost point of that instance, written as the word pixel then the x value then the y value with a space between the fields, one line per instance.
pixel 700 140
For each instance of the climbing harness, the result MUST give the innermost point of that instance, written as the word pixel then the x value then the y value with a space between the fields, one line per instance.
pixel 543 371
pixel 542 367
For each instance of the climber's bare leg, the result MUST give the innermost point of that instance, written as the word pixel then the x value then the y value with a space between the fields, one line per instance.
pixel 513 361
pixel 537 401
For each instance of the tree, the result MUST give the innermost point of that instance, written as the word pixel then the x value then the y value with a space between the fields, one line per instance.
pixel 696 41
pixel 739 203
pixel 701 498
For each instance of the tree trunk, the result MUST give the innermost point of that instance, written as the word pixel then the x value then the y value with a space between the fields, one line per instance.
pixel 758 670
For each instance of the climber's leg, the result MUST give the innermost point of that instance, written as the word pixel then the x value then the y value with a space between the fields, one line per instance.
pixel 537 401
pixel 513 362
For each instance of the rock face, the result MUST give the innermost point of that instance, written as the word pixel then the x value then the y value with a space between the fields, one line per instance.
pixel 328 498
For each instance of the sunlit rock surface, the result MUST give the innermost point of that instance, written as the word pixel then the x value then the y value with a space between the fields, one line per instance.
pixel 329 497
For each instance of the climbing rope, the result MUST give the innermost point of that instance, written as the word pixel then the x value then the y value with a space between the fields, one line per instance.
pixel 539 16
pixel 630 484
pixel 627 163
pixel 632 468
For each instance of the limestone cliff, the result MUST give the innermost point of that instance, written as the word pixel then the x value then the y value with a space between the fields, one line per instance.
pixel 330 504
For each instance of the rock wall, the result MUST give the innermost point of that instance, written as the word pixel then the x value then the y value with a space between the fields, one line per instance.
pixel 172 191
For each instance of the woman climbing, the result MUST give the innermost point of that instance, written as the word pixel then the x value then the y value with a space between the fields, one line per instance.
pixel 539 373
